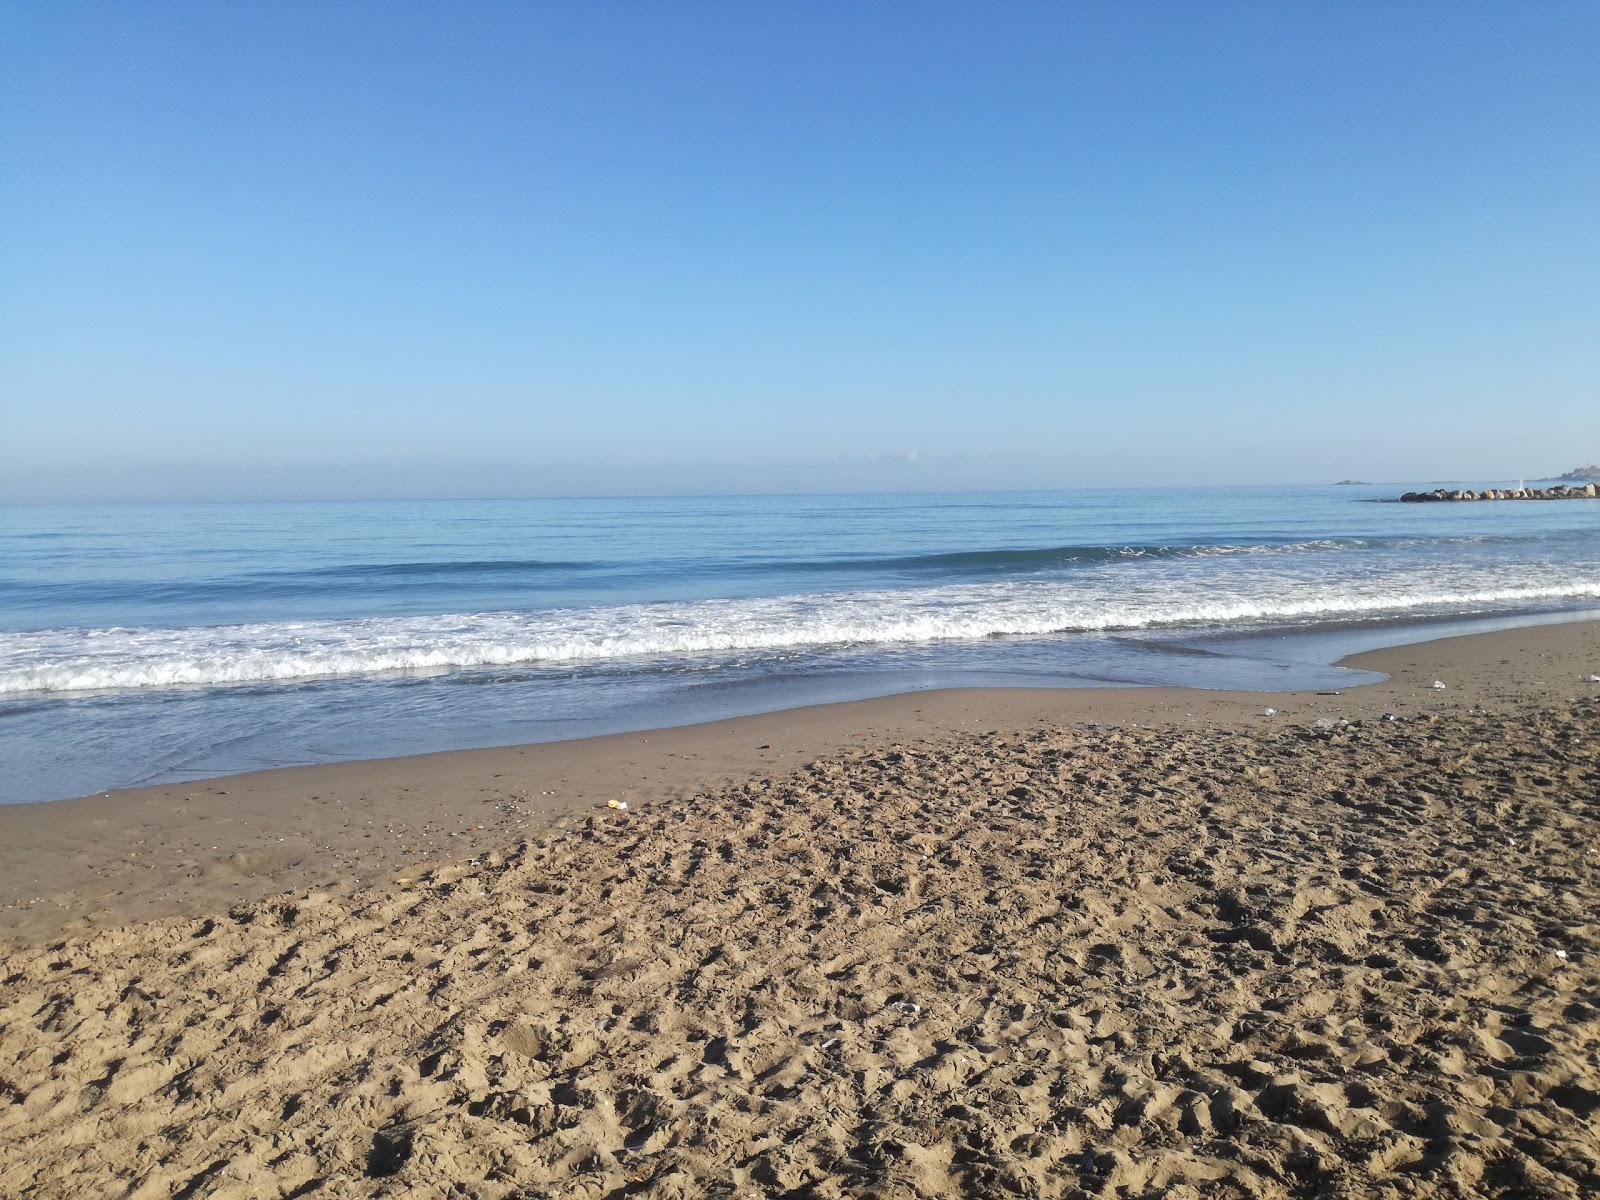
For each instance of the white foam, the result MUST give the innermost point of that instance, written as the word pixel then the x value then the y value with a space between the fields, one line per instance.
pixel 79 660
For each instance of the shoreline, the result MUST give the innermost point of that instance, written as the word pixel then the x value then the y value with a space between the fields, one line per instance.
pixel 188 849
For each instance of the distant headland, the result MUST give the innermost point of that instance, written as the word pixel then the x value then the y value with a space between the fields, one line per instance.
pixel 1589 474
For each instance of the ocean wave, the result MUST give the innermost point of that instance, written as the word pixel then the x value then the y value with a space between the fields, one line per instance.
pixel 524 580
pixel 1019 558
pixel 77 660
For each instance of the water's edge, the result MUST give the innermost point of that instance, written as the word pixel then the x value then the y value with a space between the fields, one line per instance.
pixel 1320 654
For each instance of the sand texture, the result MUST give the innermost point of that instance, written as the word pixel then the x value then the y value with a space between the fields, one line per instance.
pixel 1257 961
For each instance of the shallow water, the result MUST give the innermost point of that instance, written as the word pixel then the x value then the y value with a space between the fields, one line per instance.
pixel 147 643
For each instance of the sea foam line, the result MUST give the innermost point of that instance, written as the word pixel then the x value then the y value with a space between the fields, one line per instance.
pixel 73 660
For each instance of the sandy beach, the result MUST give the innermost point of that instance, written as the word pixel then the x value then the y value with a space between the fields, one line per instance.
pixel 1105 942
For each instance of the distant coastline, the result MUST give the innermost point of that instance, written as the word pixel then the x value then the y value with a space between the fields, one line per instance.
pixel 1589 474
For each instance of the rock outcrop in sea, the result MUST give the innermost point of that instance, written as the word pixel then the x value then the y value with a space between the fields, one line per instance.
pixel 1585 492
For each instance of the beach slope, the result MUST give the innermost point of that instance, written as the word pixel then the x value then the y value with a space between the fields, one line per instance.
pixel 1220 954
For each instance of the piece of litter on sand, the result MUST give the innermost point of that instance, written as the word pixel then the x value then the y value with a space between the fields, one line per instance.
pixel 1594 679
pixel 619 805
pixel 1269 712
pixel 1561 954
pixel 1439 683
pixel 830 1043
pixel 1390 717
pixel 909 1009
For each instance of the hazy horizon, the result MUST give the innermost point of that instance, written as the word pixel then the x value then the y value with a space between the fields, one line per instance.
pixel 378 484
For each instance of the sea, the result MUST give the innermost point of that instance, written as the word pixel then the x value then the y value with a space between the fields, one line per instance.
pixel 146 644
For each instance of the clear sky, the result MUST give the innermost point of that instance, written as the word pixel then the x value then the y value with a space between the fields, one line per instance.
pixel 324 249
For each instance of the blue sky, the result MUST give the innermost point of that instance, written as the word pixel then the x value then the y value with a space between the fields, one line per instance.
pixel 433 249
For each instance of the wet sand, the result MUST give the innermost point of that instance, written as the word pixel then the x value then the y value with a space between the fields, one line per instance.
pixel 1107 942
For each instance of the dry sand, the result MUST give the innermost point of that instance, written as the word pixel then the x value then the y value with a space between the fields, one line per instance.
pixel 961 943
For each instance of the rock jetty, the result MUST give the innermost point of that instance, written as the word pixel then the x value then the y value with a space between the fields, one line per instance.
pixel 1585 492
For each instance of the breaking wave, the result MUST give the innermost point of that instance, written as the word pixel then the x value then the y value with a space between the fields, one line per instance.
pixel 84 660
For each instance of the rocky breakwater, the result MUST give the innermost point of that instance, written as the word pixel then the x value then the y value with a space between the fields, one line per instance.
pixel 1584 492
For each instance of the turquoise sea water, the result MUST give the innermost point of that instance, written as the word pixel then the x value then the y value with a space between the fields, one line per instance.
pixel 145 643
